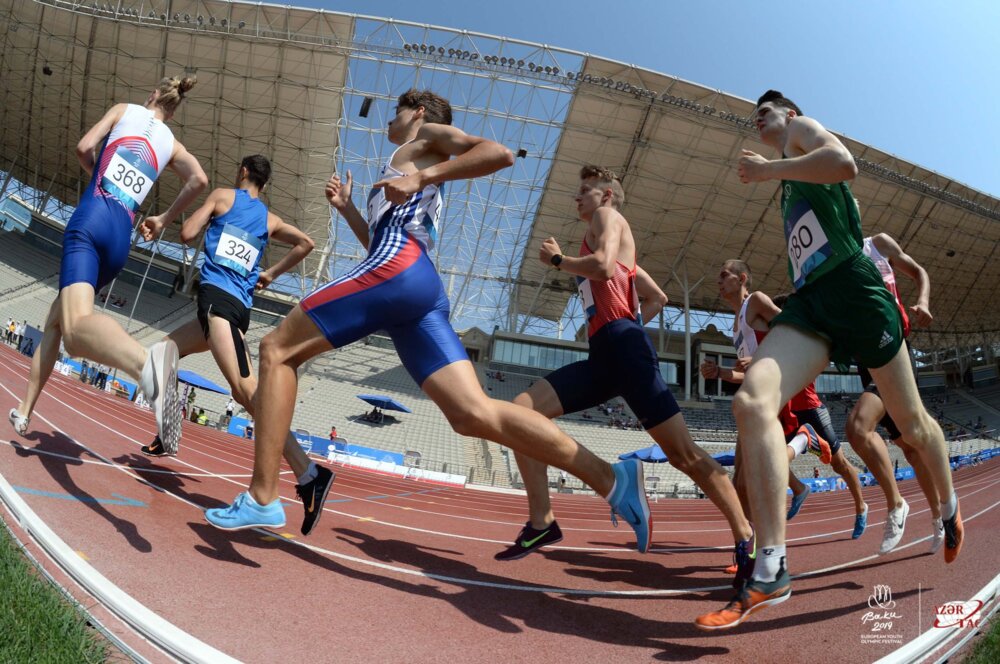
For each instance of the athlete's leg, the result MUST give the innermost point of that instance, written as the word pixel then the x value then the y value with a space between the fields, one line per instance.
pixel 220 342
pixel 282 351
pixel 870 447
pixel 785 362
pixel 845 469
pixel 923 477
pixel 542 399
pixel 675 440
pixel 96 336
pixel 899 393
pixel 457 392
pixel 43 360
pixel 739 481
pixel 190 339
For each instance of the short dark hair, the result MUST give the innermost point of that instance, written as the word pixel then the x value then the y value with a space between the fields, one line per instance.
pixel 258 169
pixel 779 100
pixel 738 267
pixel 436 108
pixel 609 179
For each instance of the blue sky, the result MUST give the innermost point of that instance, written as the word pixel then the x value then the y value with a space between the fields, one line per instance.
pixel 917 79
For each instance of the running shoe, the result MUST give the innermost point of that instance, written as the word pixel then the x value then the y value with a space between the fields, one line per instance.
pixel 313 494
pixel 895 522
pixel 744 558
pixel 18 421
pixel 954 533
pixel 159 383
pixel 246 513
pixel 530 539
pixel 817 444
pixel 750 598
pixel 628 500
pixel 797 501
pixel 155 448
pixel 938 539
pixel 860 523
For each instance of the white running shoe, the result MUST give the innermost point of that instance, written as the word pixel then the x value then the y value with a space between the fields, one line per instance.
pixel 159 384
pixel 20 422
pixel 895 522
pixel 938 539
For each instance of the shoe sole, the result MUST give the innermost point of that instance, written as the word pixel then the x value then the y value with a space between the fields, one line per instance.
pixel 320 510
pixel 528 552
pixel 906 513
pixel 743 616
pixel 246 527
pixel 647 516
pixel 150 454
pixel 166 408
pixel 960 531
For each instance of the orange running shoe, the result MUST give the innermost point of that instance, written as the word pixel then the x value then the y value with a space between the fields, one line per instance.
pixel 732 569
pixel 817 444
pixel 754 596
pixel 954 533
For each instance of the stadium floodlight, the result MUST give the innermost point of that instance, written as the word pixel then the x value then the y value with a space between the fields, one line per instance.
pixel 243 24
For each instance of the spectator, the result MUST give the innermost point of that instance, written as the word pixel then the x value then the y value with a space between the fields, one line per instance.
pixel 816 472
pixel 190 397
pixel 333 432
pixel 249 431
pixel 563 476
pixel 230 407
pixel 202 417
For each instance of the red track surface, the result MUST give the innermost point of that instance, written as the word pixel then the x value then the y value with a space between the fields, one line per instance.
pixel 399 569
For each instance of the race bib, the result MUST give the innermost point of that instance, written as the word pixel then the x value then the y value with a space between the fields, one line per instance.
pixel 808 245
pixel 128 178
pixel 237 250
pixel 586 296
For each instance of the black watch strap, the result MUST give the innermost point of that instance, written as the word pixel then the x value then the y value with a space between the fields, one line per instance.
pixel 556 260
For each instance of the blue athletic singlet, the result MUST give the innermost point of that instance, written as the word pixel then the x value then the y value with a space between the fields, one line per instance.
pixel 395 288
pixel 96 241
pixel 234 247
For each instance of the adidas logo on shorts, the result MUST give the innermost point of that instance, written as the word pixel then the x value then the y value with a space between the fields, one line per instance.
pixel 886 340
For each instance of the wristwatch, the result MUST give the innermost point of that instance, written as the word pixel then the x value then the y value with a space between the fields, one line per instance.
pixel 556 260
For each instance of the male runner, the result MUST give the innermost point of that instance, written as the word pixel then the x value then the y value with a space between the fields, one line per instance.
pixel 239 228
pixel 622 362
pixel 134 146
pixel 840 310
pixel 396 288
pixel 869 411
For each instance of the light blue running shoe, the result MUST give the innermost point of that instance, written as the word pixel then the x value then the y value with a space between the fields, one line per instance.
pixel 628 500
pixel 246 513
pixel 860 523
pixel 797 501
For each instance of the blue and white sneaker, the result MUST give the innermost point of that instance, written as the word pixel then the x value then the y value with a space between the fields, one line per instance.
pixel 860 523
pixel 245 512
pixel 628 500
pixel 797 501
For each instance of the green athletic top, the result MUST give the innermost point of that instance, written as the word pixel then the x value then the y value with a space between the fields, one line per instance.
pixel 822 228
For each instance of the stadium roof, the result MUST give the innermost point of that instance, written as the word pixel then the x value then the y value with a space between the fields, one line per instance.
pixel 291 83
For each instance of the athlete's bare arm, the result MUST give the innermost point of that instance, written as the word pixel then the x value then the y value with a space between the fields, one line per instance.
pixel 604 237
pixel 219 201
pixel 653 299
pixel 761 310
pixel 301 243
pixel 186 166
pixel 813 155
pixel 338 193
pixel 442 153
pixel 85 149
pixel 903 262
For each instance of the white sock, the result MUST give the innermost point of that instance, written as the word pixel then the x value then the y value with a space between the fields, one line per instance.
pixel 309 475
pixel 769 559
pixel 949 508
pixel 799 444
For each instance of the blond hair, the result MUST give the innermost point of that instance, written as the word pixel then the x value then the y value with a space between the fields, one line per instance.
pixel 172 91
pixel 607 179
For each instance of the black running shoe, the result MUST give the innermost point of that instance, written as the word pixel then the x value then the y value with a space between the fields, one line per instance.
pixel 155 448
pixel 744 557
pixel 313 495
pixel 530 540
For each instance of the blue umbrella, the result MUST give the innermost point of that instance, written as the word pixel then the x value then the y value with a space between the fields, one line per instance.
pixel 191 378
pixel 651 454
pixel 384 402
pixel 725 458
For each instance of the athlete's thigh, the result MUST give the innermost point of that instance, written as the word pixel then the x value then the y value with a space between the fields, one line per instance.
pixel 898 389
pixel 867 411
pixel 296 339
pixel 190 338
pixel 541 397
pixel 223 347
pixel 76 301
pixel 786 361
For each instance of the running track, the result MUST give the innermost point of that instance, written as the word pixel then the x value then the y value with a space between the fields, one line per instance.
pixel 399 569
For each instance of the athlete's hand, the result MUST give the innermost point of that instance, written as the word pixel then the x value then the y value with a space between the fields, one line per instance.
pixel 742 364
pixel 549 249
pixel 709 369
pixel 398 190
pixel 921 315
pixel 338 192
pixel 752 167
pixel 264 279
pixel 151 227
